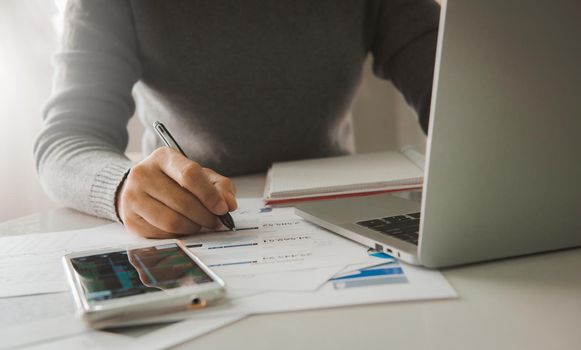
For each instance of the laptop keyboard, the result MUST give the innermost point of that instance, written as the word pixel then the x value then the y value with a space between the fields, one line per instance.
pixel 405 227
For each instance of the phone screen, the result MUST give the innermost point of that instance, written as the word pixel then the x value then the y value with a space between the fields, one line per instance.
pixel 137 271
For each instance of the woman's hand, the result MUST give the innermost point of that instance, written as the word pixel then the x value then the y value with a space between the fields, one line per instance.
pixel 167 194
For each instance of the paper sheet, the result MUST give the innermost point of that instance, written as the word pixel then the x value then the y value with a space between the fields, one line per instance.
pixel 31 264
pixel 374 258
pixel 38 318
pixel 48 322
pixel 44 330
pixel 31 274
pixel 274 241
pixel 300 280
pixel 181 332
pixel 64 242
pixel 163 338
pixel 293 255
pixel 422 284
pixel 331 272
pixel 20 310
pixel 271 240
pixel 93 340
pixel 391 281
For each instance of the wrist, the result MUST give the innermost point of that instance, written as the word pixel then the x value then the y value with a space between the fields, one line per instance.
pixel 118 193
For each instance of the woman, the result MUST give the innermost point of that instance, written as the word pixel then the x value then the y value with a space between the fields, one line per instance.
pixel 240 84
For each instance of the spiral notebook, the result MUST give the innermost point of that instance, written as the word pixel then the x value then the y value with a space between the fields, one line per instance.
pixel 344 176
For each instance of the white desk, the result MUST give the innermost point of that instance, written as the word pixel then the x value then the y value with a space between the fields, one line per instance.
pixel 526 303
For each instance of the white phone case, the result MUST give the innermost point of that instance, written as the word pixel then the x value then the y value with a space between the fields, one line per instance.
pixel 144 308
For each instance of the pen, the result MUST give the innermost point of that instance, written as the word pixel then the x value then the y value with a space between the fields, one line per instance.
pixel 169 141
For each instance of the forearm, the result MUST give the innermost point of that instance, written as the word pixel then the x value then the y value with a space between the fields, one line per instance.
pixel 404 50
pixel 79 172
pixel 79 153
pixel 413 74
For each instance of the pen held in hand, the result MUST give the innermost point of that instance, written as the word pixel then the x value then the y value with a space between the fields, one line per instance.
pixel 169 141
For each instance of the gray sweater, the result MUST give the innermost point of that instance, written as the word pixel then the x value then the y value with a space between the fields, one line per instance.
pixel 241 84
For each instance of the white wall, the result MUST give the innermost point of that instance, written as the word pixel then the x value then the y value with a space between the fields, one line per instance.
pixel 26 39
pixel 382 120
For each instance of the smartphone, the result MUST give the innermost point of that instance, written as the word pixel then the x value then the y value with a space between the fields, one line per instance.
pixel 134 285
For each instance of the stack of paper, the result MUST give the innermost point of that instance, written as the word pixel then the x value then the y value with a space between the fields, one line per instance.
pixel 275 262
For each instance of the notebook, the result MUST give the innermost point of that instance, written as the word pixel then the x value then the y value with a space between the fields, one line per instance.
pixel 336 177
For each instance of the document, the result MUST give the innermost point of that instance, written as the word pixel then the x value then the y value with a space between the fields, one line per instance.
pixel 381 279
pixel 274 262
pixel 296 280
pixel 274 249
pixel 374 259
pixel 415 283
pixel 268 241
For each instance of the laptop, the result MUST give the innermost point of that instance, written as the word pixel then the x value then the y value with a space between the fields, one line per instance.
pixel 503 159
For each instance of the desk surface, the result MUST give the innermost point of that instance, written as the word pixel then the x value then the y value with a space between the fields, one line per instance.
pixel 531 302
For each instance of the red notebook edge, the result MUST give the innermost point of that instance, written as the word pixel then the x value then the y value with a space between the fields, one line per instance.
pixel 288 201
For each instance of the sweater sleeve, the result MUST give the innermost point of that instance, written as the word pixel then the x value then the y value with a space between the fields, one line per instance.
pixel 404 50
pixel 79 152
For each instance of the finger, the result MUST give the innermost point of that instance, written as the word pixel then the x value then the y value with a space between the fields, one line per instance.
pixel 190 175
pixel 225 186
pixel 159 215
pixel 231 201
pixel 141 227
pixel 215 178
pixel 177 198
